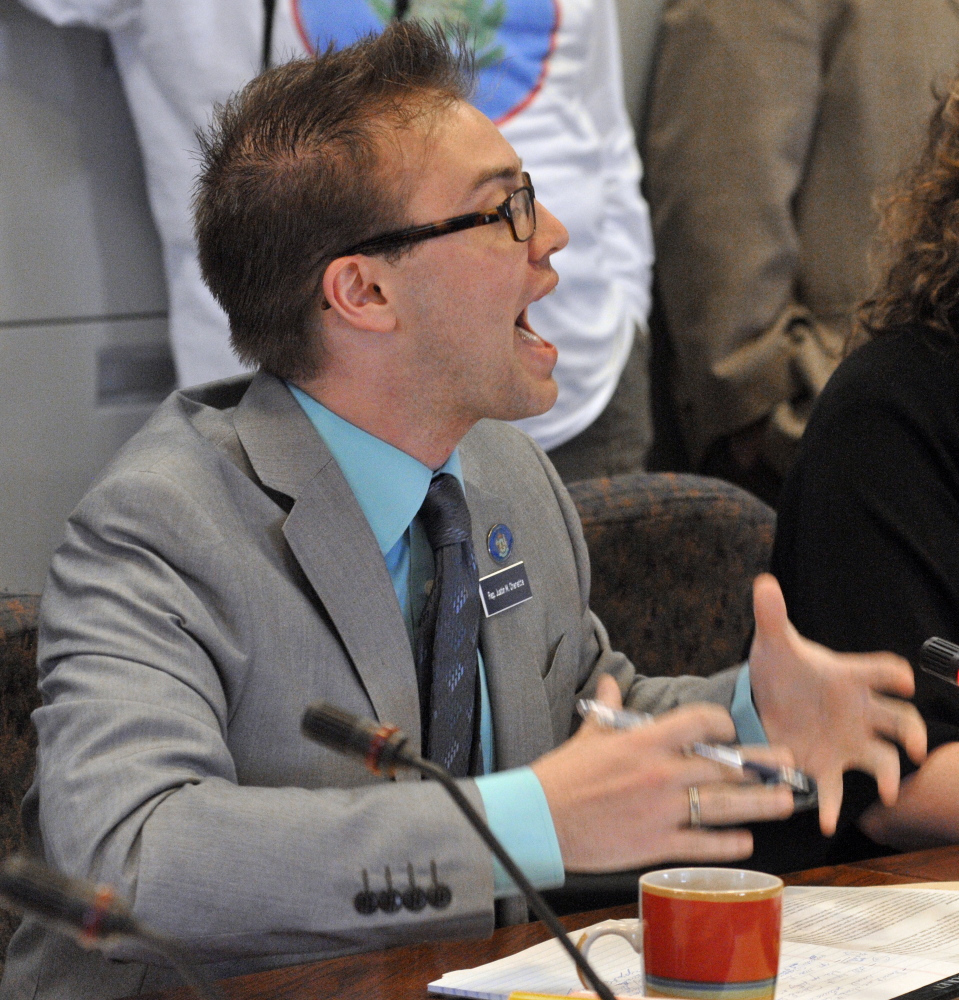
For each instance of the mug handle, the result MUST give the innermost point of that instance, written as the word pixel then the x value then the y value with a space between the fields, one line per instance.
pixel 631 930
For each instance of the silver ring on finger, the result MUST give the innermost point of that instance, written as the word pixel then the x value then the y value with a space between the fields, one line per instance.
pixel 695 816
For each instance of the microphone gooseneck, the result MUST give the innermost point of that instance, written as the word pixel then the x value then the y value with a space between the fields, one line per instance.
pixel 384 748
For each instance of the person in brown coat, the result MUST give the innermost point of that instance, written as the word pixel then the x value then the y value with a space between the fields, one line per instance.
pixel 771 124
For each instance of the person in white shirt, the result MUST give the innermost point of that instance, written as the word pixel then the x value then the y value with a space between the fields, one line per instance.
pixel 550 78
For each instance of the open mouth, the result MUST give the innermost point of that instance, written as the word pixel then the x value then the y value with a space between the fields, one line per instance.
pixel 527 333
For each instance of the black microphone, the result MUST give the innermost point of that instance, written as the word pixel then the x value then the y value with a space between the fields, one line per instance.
pixel 940 658
pixel 84 911
pixel 384 748
pixel 93 915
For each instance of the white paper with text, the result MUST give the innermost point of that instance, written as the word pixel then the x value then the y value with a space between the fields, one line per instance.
pixel 838 943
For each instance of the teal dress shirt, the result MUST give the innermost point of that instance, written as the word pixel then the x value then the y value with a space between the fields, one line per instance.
pixel 390 487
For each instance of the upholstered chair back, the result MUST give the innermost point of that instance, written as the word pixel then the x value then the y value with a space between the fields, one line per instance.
pixel 18 740
pixel 673 558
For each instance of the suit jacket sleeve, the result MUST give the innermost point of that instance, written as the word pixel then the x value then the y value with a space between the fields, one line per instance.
pixel 734 102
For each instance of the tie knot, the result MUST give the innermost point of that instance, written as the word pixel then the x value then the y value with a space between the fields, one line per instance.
pixel 445 516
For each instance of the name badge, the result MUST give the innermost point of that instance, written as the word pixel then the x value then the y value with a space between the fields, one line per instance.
pixel 504 589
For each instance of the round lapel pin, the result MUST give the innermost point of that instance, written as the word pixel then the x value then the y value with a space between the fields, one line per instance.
pixel 499 542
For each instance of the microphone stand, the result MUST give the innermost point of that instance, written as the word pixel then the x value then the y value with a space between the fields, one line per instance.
pixel 536 902
pixel 205 989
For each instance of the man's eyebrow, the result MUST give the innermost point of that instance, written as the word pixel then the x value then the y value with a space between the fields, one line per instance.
pixel 505 173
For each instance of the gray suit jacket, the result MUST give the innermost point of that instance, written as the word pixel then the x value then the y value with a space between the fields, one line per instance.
pixel 218 578
pixel 772 123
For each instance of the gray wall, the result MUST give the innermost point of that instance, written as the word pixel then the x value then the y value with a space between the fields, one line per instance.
pixel 81 287
pixel 83 356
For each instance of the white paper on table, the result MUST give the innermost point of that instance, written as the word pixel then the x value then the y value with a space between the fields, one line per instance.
pixel 545 968
pixel 818 972
pixel 891 943
pixel 900 921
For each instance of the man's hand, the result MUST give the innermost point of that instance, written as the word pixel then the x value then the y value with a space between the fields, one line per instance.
pixel 621 799
pixel 831 709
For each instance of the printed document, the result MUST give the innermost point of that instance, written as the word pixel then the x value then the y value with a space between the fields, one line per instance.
pixel 838 944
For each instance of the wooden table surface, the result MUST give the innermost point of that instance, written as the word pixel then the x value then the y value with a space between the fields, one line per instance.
pixel 401 973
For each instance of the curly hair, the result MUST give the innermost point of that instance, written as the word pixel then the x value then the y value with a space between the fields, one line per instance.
pixel 918 249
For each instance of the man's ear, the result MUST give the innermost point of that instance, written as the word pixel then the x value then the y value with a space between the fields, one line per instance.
pixel 352 286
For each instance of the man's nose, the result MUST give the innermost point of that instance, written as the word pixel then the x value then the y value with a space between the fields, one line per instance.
pixel 550 235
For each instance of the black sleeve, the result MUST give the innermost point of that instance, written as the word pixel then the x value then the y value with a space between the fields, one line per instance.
pixel 867 545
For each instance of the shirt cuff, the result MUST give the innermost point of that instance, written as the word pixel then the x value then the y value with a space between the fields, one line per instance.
pixel 518 814
pixel 749 727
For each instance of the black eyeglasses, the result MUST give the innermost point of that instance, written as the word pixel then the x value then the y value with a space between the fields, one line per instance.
pixel 519 210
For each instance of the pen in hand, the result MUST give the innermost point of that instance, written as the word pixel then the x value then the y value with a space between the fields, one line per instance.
pixel 803 787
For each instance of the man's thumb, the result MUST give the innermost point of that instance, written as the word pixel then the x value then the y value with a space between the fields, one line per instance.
pixel 769 607
pixel 607 691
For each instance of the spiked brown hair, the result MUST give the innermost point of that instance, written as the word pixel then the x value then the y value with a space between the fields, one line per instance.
pixel 293 171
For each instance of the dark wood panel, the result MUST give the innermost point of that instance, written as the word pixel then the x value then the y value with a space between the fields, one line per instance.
pixel 940 864
pixel 847 875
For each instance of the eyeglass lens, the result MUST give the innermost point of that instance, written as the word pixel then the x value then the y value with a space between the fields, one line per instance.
pixel 522 214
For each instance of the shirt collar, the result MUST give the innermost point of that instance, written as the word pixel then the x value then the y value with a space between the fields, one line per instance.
pixel 388 484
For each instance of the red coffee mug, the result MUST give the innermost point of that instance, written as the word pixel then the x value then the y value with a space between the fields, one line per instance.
pixel 707 933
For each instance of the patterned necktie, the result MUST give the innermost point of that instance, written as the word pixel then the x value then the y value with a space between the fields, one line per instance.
pixel 446 641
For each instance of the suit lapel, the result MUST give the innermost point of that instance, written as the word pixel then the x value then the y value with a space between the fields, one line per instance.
pixel 521 717
pixel 334 546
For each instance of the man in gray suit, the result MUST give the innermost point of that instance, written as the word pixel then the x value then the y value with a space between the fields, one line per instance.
pixel 258 546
